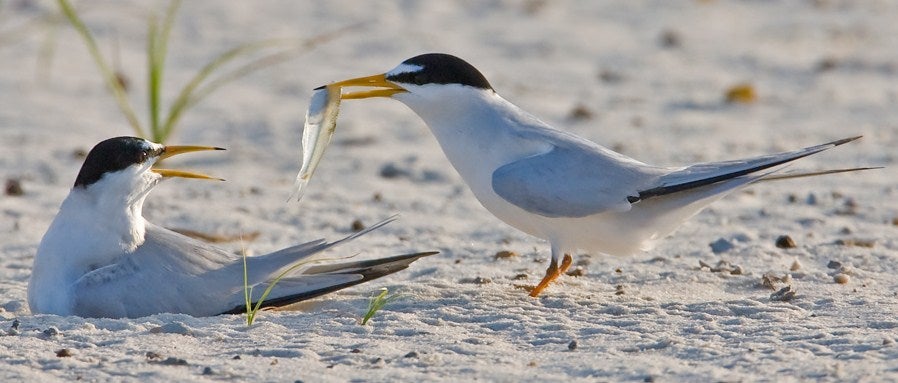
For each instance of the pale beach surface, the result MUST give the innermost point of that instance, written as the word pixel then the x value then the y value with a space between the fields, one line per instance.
pixel 647 78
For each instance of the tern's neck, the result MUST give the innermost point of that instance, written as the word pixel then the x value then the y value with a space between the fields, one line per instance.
pixel 476 129
pixel 116 218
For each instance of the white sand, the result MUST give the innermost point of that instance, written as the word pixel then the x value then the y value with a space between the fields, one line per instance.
pixel 673 322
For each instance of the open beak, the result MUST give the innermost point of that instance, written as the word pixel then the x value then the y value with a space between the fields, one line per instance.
pixel 170 151
pixel 387 88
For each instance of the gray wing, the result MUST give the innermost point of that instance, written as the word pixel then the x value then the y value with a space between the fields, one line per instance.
pixel 709 173
pixel 173 273
pixel 575 180
pixel 167 273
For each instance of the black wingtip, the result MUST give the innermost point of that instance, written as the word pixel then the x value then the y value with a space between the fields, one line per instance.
pixel 668 189
pixel 320 87
pixel 369 270
pixel 844 140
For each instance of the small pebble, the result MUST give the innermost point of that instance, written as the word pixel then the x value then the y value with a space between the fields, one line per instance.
pixel 172 361
pixel 670 39
pixel 377 360
pixel 208 371
pixel 356 351
pixel 841 278
pixel 737 270
pixel 649 379
pixel 153 355
pixel 610 77
pixel 795 266
pixel 520 276
pixel 834 264
pixel 580 113
pixel 52 331
pixel 64 353
pixel 357 225
pixel 572 346
pixel 887 341
pixel 14 187
pixel 390 170
pixel 505 254
pixel 784 294
pixel 15 324
pixel 826 64
pixel 411 354
pixel 577 272
pixel 895 221
pixel 236 357
pixel 785 242
pixel 619 290
pixel 742 94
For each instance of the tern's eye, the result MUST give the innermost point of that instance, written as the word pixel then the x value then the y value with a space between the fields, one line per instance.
pixel 416 78
pixel 142 156
pixel 421 79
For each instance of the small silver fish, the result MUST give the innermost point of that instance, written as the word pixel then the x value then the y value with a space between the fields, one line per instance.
pixel 321 122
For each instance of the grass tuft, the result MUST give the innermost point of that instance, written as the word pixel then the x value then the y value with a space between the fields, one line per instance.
pixel 210 77
pixel 253 309
pixel 378 302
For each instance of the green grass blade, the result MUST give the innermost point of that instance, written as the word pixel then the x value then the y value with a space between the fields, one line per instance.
pixel 377 303
pixel 247 293
pixel 190 96
pixel 244 70
pixel 157 48
pixel 251 310
pixel 185 97
pixel 118 92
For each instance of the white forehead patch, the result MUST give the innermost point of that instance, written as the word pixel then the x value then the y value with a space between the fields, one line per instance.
pixel 404 68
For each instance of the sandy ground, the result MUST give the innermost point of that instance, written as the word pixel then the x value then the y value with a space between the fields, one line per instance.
pixel 647 78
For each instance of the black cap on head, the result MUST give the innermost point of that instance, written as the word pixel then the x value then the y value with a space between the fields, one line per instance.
pixel 112 155
pixel 440 68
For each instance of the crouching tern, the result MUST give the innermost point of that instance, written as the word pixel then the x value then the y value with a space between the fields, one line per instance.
pixel 101 258
pixel 550 183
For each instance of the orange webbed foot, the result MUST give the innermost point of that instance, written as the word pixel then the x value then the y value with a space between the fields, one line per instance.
pixel 552 273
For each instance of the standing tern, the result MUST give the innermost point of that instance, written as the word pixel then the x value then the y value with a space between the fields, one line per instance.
pixel 553 184
pixel 101 258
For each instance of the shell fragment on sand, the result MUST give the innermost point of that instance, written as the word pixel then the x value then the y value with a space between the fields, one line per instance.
pixel 321 122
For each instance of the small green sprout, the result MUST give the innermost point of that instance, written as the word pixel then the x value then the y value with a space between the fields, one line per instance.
pixel 251 310
pixel 378 302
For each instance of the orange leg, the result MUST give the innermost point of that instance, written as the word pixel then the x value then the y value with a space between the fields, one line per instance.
pixel 552 273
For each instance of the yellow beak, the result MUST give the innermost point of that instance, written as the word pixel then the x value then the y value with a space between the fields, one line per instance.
pixel 387 88
pixel 170 151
